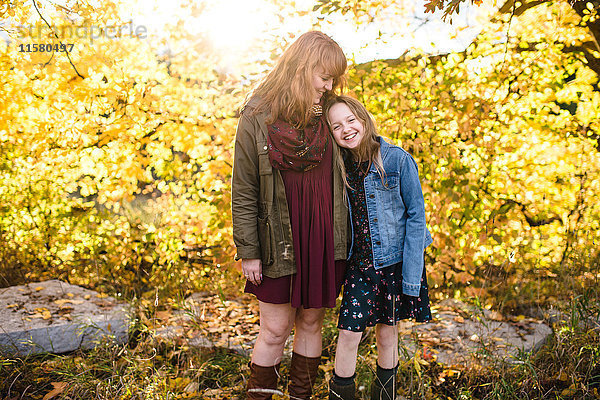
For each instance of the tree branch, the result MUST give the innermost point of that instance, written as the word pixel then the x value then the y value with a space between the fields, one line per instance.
pixel 593 26
pixel 56 36
pixel 532 220
pixel 509 6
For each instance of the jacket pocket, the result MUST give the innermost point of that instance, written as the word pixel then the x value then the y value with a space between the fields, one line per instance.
pixel 264 164
pixel 265 238
pixel 390 182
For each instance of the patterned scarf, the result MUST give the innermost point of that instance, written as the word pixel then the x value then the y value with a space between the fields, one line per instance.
pixel 297 149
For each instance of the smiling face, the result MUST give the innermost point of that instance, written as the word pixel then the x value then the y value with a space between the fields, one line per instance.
pixel 348 131
pixel 321 82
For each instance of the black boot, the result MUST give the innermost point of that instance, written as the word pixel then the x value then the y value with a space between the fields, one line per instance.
pixel 342 388
pixel 384 384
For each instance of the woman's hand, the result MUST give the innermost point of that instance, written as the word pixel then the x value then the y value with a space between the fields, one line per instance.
pixel 252 269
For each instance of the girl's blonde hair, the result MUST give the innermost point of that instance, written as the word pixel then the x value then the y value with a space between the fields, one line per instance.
pixel 287 91
pixel 368 148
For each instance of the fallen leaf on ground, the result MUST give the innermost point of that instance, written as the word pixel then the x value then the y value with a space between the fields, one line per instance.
pixel 163 315
pixel 62 302
pixel 562 376
pixel 570 391
pixel 427 354
pixel 59 387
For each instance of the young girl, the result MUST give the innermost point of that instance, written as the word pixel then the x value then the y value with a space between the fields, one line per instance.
pixel 385 278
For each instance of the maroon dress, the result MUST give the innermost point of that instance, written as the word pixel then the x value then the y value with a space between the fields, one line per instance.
pixel 319 276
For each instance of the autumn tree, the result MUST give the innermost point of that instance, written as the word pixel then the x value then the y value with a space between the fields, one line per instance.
pixel 115 153
pixel 506 134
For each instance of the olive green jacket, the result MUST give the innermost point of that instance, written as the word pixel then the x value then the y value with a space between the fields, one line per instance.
pixel 261 221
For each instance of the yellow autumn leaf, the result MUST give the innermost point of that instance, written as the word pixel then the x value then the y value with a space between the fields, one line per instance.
pixel 570 391
pixel 58 388
pixel 417 366
pixel 562 376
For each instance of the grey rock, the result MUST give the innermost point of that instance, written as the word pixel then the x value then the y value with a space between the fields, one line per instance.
pixel 460 335
pixel 57 317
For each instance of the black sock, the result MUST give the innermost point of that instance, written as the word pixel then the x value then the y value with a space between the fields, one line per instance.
pixel 386 375
pixel 338 380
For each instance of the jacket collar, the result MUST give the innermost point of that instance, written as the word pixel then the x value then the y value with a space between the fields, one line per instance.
pixel 384 147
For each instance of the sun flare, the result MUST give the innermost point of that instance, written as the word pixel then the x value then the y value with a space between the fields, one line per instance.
pixel 235 24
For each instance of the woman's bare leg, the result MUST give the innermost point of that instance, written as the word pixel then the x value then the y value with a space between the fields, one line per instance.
pixel 276 322
pixel 309 325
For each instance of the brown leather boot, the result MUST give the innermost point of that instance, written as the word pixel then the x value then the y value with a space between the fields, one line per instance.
pixel 303 374
pixel 262 378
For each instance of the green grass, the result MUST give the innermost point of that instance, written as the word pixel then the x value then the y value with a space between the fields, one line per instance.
pixel 567 367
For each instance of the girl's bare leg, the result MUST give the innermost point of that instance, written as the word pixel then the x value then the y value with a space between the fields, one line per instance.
pixel 387 345
pixel 346 353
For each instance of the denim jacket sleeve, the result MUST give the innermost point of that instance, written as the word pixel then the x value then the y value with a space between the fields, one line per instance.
pixel 414 242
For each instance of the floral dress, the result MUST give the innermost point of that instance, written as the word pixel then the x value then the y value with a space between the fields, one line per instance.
pixel 373 296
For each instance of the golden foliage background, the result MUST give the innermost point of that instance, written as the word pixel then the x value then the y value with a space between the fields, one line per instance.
pixel 115 163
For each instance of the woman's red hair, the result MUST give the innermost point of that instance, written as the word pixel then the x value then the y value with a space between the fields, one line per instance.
pixel 287 91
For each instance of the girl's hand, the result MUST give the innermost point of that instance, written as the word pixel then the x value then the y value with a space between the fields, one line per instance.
pixel 252 269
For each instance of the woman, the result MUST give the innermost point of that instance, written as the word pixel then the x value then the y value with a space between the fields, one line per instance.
pixel 289 220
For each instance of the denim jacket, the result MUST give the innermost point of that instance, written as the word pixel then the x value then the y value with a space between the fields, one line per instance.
pixel 396 215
